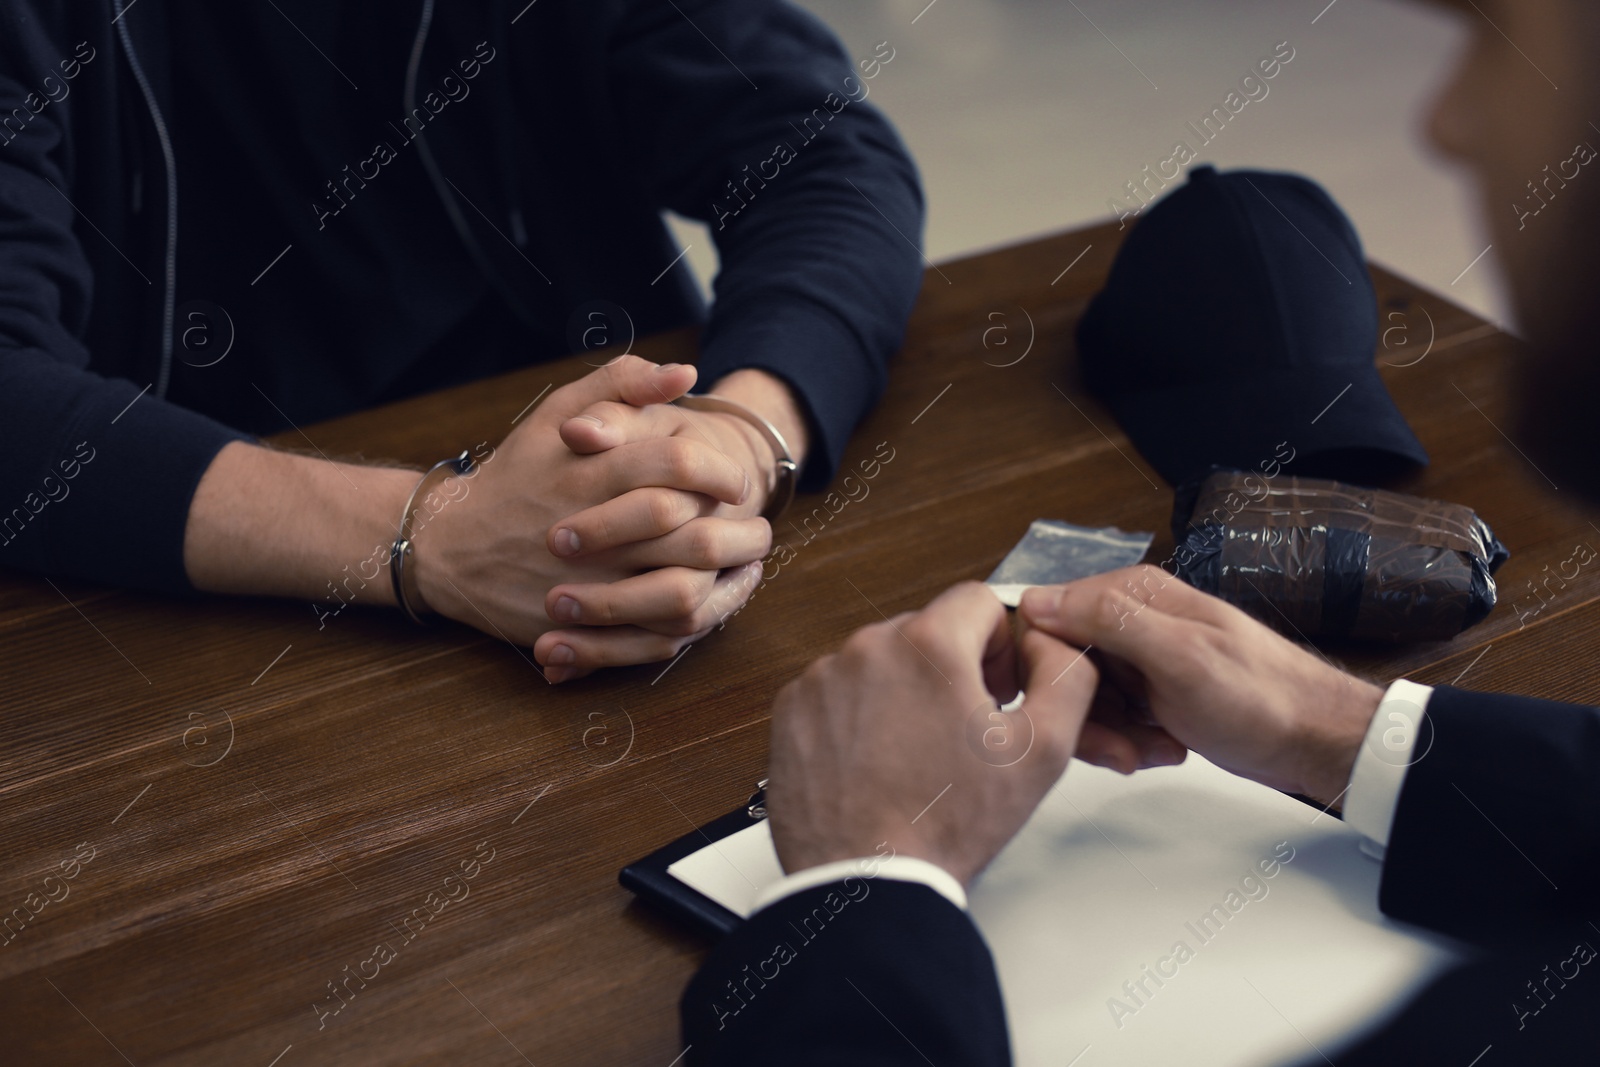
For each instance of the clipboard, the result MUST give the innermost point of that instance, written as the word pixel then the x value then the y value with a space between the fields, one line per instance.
pixel 651 880
pixel 1111 873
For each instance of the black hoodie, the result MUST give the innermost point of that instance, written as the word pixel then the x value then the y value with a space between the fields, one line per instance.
pixel 219 221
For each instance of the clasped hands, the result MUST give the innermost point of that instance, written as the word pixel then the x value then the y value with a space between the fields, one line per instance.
pixel 611 527
pixel 890 739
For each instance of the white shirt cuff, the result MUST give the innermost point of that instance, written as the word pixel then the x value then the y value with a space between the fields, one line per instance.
pixel 894 868
pixel 1389 750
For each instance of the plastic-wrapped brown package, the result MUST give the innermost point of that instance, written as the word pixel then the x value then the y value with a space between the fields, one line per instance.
pixel 1320 558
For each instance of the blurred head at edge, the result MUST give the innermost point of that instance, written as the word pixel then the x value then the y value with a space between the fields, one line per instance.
pixel 1522 111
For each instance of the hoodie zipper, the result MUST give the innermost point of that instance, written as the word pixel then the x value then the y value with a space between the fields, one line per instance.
pixel 480 259
pixel 164 372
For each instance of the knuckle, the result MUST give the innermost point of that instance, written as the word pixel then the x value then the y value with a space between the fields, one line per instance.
pixel 703 545
pixel 665 511
pixel 598 529
pixel 860 645
pixel 977 601
pixel 683 459
pixel 683 598
pixel 969 588
pixel 814 675
pixel 1085 675
pixel 703 619
pixel 1110 609
pixel 1192 652
pixel 924 631
pixel 735 596
pixel 597 609
pixel 1151 580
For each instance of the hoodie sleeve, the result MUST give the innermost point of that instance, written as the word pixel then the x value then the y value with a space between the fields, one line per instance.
pixel 748 116
pixel 97 476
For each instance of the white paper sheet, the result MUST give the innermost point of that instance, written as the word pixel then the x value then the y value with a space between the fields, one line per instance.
pixel 1112 873
pixel 732 871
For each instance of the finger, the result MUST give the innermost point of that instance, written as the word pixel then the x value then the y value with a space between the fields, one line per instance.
pixel 1138 614
pixel 712 543
pixel 637 515
pixel 1157 748
pixel 1128 747
pixel 1000 664
pixel 1147 583
pixel 732 592
pixel 1120 732
pixel 572 653
pixel 1125 679
pixel 729 593
pixel 963 626
pixel 1060 682
pixel 611 423
pixel 630 379
pixel 1105 747
pixel 674 463
pixel 659 596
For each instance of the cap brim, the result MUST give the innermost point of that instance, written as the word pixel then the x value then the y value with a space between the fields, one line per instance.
pixel 1326 421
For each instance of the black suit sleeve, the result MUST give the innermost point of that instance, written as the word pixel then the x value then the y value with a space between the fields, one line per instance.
pixel 1496 836
pixel 1496 840
pixel 856 973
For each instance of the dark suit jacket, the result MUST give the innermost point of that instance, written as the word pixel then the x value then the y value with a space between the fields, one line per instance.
pixel 1496 841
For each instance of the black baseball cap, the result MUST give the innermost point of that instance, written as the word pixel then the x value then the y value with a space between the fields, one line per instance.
pixel 1239 317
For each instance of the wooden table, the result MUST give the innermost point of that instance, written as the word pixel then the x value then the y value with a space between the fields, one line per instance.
pixel 266 802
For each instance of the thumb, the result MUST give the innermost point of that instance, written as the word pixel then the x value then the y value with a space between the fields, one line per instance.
pixel 1060 683
pixel 628 379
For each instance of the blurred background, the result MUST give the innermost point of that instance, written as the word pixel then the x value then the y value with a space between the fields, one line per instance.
pixel 1029 116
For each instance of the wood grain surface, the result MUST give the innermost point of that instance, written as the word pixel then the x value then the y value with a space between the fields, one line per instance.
pixel 263 802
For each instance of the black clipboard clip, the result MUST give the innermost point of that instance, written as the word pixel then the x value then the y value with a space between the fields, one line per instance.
pixel 650 880
pixel 756 806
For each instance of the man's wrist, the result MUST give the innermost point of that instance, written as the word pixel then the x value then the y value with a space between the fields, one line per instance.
pixel 770 397
pixel 430 562
pixel 1333 740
